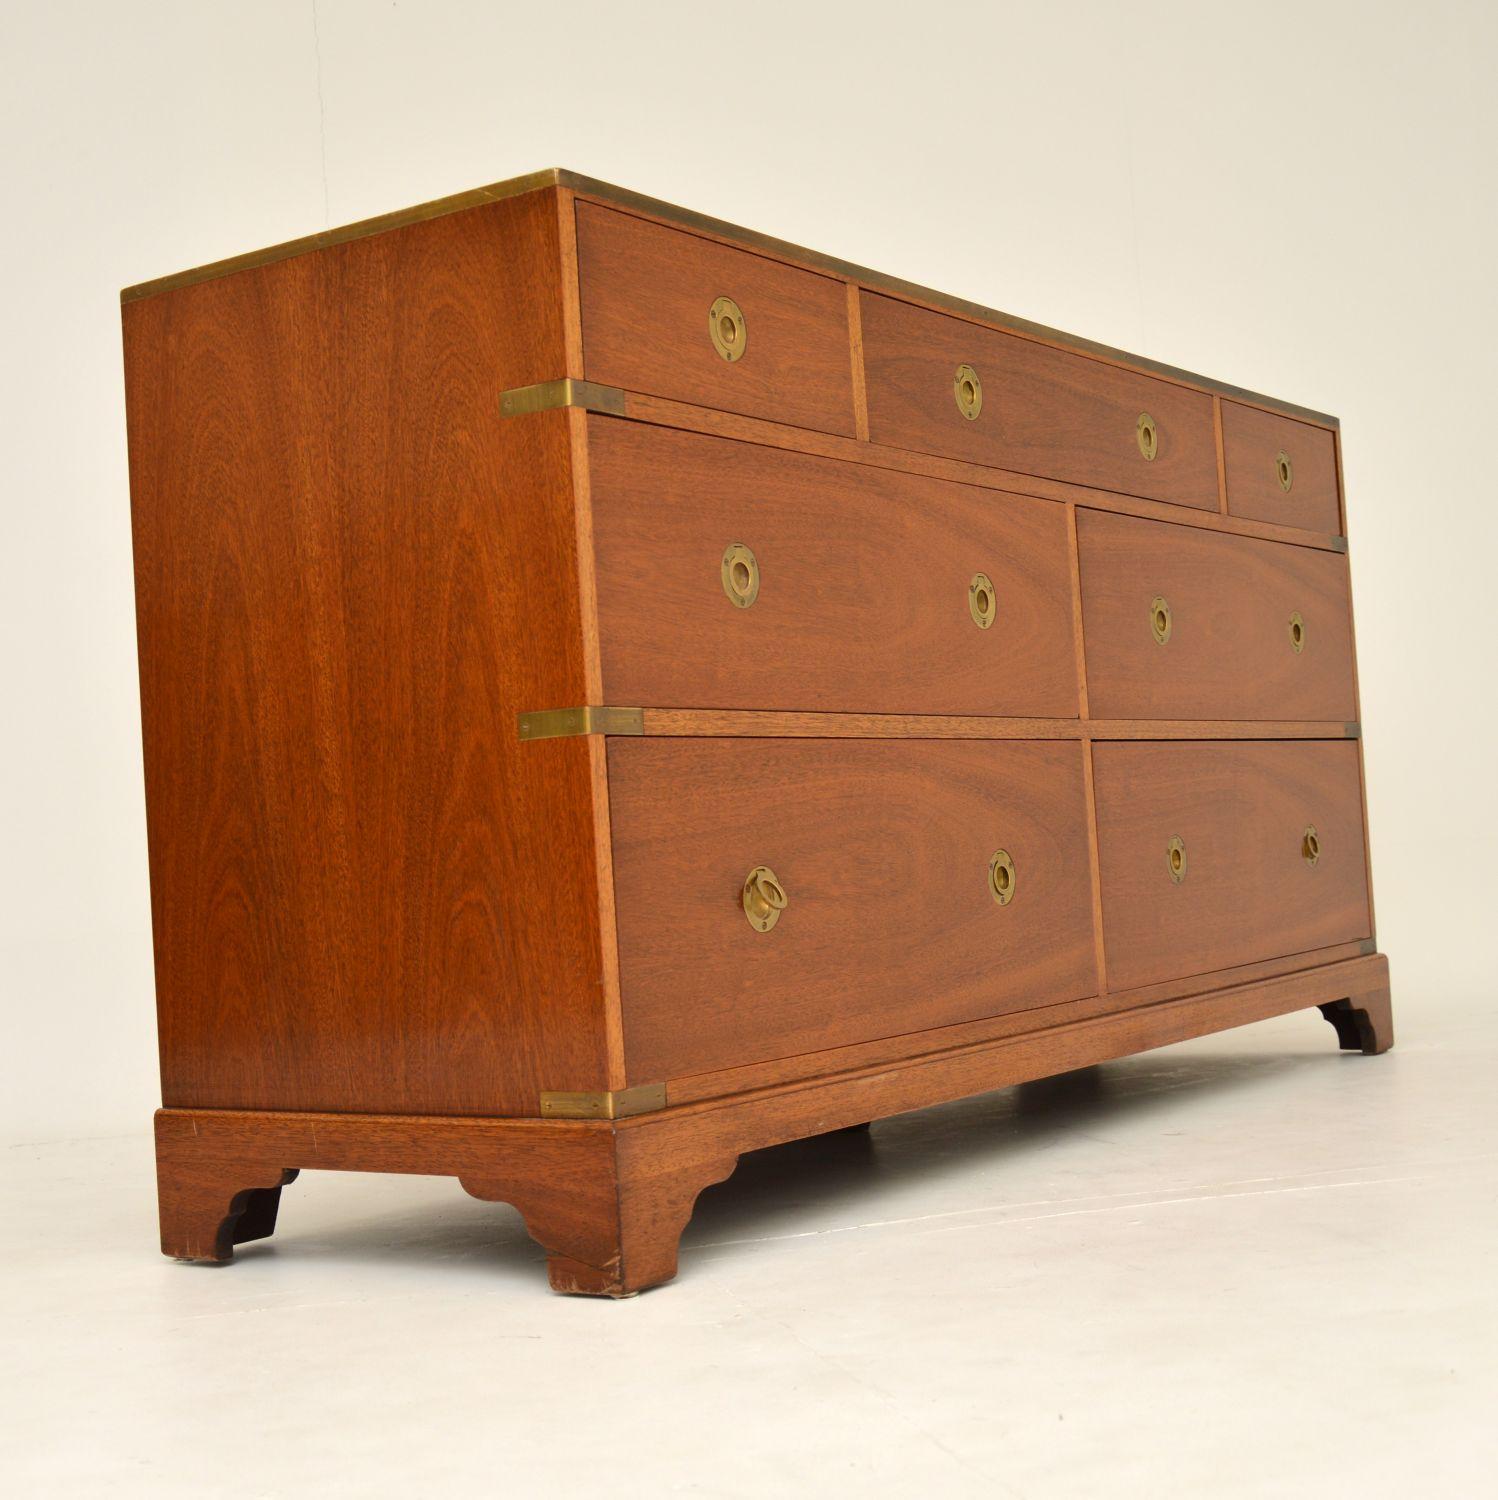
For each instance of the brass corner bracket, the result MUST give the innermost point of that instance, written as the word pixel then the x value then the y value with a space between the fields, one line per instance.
pixel 550 394
pixel 552 723
pixel 604 1104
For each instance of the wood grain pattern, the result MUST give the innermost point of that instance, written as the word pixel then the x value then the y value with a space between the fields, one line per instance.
pixel 1252 441
pixel 1230 654
pixel 1045 411
pixel 863 599
pixel 1248 893
pixel 646 291
pixel 883 850
pixel 351 575
pixel 685 417
pixel 608 1200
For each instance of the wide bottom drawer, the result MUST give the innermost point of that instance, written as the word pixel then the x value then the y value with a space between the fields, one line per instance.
pixel 924 882
pixel 1219 854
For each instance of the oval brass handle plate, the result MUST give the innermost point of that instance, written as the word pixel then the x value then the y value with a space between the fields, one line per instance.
pixel 1175 860
pixel 763 898
pixel 968 391
pixel 1001 877
pixel 740 572
pixel 1310 845
pixel 1284 470
pixel 1160 619
pixel 725 325
pixel 1297 633
pixel 982 602
pixel 1148 435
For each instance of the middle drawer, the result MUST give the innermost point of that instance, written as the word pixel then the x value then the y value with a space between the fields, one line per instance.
pixel 1184 623
pixel 740 577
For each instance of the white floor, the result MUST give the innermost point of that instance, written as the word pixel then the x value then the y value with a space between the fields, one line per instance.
pixel 1248 1265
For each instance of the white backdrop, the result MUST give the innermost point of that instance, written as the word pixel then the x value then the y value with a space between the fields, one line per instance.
pixel 1298 198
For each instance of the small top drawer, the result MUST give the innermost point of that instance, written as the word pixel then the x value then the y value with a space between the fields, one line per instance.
pixel 1183 623
pixel 671 314
pixel 1279 469
pixel 740 577
pixel 939 384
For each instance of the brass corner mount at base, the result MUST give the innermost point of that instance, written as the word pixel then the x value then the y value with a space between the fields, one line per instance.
pixel 554 723
pixel 603 1104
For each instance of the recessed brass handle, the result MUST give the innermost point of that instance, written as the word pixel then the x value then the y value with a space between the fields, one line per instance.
pixel 763 897
pixel 1297 633
pixel 1001 877
pixel 1160 619
pixel 1284 470
pixel 1148 435
pixel 1310 845
pixel 982 602
pixel 725 325
pixel 740 573
pixel 1175 860
pixel 967 389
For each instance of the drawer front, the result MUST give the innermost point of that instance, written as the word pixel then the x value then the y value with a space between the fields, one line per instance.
pixel 1044 411
pixel 647 292
pixel 1279 469
pixel 1246 888
pixel 883 849
pixel 1234 608
pixel 863 584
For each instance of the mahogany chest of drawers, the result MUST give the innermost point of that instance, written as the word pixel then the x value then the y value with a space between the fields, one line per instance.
pixel 619 692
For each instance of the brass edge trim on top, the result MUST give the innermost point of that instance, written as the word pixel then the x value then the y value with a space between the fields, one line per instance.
pixel 494 192
pixel 550 394
pixel 554 723
pixel 688 219
pixel 602 1104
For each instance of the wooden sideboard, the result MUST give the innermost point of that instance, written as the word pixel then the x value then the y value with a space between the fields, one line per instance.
pixel 619 691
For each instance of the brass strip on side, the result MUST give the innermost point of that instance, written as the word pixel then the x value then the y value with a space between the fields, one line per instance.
pixel 551 394
pixel 554 723
pixel 604 1104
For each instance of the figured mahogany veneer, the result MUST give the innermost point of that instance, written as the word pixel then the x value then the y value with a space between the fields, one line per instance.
pixel 646 291
pixel 409 917
pixel 1240 812
pixel 1233 603
pixel 1261 451
pixel 883 848
pixel 864 584
pixel 1045 411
